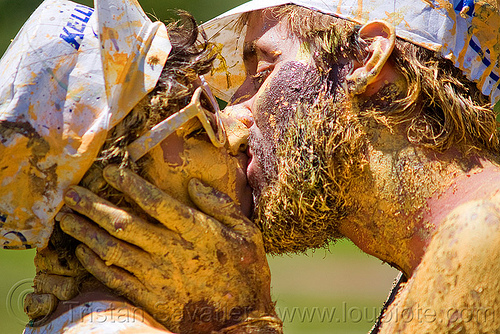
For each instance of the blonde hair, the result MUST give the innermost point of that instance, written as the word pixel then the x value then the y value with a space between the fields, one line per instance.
pixel 440 107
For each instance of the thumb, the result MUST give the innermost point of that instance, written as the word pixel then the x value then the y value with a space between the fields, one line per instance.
pixel 219 205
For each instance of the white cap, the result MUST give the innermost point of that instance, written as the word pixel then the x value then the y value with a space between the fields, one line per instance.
pixel 69 76
pixel 465 31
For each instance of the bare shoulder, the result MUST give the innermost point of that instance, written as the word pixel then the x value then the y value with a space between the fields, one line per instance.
pixel 472 230
pixel 456 288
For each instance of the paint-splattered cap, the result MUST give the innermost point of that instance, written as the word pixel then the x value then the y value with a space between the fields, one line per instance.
pixel 465 31
pixel 70 75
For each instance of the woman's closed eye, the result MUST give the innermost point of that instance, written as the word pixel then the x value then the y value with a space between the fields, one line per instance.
pixel 191 129
pixel 194 129
pixel 196 132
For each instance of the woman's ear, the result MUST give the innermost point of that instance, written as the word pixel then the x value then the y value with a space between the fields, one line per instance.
pixel 380 37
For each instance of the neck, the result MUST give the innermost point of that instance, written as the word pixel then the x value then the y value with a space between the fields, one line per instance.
pixel 407 192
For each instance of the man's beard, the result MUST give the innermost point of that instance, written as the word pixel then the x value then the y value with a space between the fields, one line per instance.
pixel 308 178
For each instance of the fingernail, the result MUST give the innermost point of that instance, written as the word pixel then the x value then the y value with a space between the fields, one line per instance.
pixel 72 198
pixel 81 253
pixel 59 216
pixel 66 223
pixel 80 249
pixel 111 173
pixel 195 182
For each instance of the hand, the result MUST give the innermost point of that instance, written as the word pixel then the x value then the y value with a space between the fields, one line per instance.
pixel 58 273
pixel 195 272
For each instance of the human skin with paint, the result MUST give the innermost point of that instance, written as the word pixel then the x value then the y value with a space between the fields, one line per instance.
pixel 429 210
pixel 433 214
pixel 187 152
pixel 199 173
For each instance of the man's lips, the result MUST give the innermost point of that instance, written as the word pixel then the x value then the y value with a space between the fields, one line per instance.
pixel 250 158
pixel 249 154
pixel 251 168
pixel 243 188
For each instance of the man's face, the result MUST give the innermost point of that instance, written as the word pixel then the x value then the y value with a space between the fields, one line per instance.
pixel 276 81
pixel 292 147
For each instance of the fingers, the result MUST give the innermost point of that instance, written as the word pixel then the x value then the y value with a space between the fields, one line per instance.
pixel 113 277
pixel 220 206
pixel 63 287
pixel 169 211
pixel 39 305
pixel 49 261
pixel 116 221
pixel 108 248
pixel 118 279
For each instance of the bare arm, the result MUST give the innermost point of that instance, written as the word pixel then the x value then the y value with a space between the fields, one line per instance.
pixel 456 288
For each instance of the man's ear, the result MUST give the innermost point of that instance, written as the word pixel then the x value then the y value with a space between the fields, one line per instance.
pixel 381 38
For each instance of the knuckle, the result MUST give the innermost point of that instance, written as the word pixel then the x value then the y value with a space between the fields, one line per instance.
pixel 113 255
pixel 115 283
pixel 121 222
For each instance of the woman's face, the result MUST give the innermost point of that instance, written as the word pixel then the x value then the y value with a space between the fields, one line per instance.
pixel 189 153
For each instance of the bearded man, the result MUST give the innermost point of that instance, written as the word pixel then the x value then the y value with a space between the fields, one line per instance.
pixel 382 133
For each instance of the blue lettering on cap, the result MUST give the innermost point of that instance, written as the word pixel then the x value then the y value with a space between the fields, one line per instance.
pixel 493 76
pixel 73 39
pixel 73 32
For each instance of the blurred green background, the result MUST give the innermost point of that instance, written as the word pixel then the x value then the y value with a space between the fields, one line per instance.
pixel 335 291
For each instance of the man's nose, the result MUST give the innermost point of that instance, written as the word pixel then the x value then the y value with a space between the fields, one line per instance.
pixel 237 120
pixel 245 94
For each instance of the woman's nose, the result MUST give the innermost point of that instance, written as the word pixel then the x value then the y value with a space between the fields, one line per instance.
pixel 237 120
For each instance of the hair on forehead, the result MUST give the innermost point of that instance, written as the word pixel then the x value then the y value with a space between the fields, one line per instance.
pixel 300 21
pixel 440 105
pixel 189 58
pixel 304 22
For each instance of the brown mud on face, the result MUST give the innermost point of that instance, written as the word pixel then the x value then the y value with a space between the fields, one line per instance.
pixel 236 130
pixel 198 159
pixel 343 172
pixel 373 181
pixel 403 177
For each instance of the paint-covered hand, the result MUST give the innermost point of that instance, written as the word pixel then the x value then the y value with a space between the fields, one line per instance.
pixel 194 271
pixel 58 273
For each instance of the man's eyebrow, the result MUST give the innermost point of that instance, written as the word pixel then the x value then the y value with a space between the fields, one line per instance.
pixel 249 50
